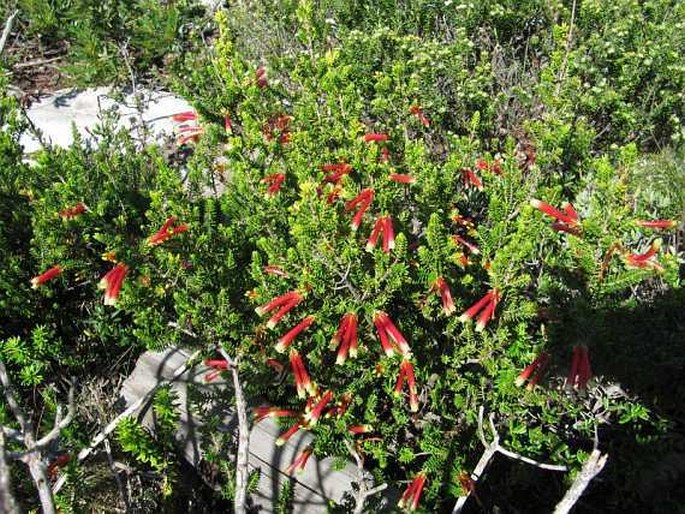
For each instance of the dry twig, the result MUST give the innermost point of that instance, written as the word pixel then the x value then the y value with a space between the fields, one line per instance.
pixel 241 474
pixel 6 31
pixel 363 481
pixel 491 449
pixel 592 467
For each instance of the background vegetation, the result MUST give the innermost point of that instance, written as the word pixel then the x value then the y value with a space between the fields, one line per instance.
pixel 579 102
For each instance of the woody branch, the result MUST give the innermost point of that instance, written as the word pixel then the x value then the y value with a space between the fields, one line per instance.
pixel 32 456
pixel 491 449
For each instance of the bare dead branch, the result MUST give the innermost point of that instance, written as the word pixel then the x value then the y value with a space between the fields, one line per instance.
pixel 101 436
pixel 490 450
pixel 7 502
pixel 241 474
pixel 363 480
pixel 6 31
pixel 592 467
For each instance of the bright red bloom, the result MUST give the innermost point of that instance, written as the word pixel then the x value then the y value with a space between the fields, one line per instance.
pixel 486 306
pixel 443 288
pixel 536 369
pixel 275 270
pixel 566 221
pixel 646 260
pixel 407 374
pixel 402 179
pixel 219 365
pixel 266 411
pixel 360 429
pixel 656 223
pixel 59 462
pixel 44 277
pixel 189 133
pixel 333 195
pixel 388 331
pixel 185 116
pixel 375 138
pixel 471 179
pixel 278 302
pixel 279 124
pixel 286 340
pixel 69 213
pixel 363 201
pixel 228 124
pixel 416 111
pixel 383 225
pixel 412 494
pixel 275 181
pixel 283 438
pixel 335 172
pixel 302 381
pixel 465 243
pixel 313 416
pixel 167 231
pixel 300 462
pixel 112 281
pixel 260 77
pixel 348 336
pixel 581 372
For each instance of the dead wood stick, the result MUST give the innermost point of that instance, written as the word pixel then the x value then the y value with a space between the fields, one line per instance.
pixel 592 467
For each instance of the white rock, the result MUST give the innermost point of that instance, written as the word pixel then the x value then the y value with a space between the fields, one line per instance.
pixel 55 115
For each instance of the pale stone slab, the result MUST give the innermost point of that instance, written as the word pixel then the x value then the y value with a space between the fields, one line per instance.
pixel 315 488
pixel 56 115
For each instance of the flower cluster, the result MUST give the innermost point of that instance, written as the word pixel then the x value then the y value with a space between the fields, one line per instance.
pixel 167 231
pixel 486 306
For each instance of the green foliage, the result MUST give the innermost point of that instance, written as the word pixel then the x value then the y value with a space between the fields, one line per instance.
pixel 108 41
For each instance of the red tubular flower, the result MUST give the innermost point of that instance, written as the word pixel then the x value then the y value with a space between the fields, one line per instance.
pixel 44 277
pixel 482 165
pixel 385 154
pixel 412 495
pixel 300 462
pixel 360 429
pixel 471 179
pixel 581 372
pixel 347 334
pixel 70 213
pixel 302 380
pixel 283 438
pixel 275 270
pixel 443 288
pixel 375 138
pixel 185 116
pixel 112 281
pixel 379 322
pixel 536 369
pixel 278 302
pixel 656 223
pixel 363 200
pixel 407 370
pixel 189 133
pixel 402 179
pixel 167 231
pixel 313 416
pixel 377 229
pixel 260 78
pixel 388 331
pixel 646 260
pixel 416 111
pixel 285 341
pixel 333 195
pixel 388 235
pixel 275 181
pixel 59 462
pixel 466 244
pixel 336 172
pixel 486 306
pixel 566 221
pixel 228 124
pixel 266 411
